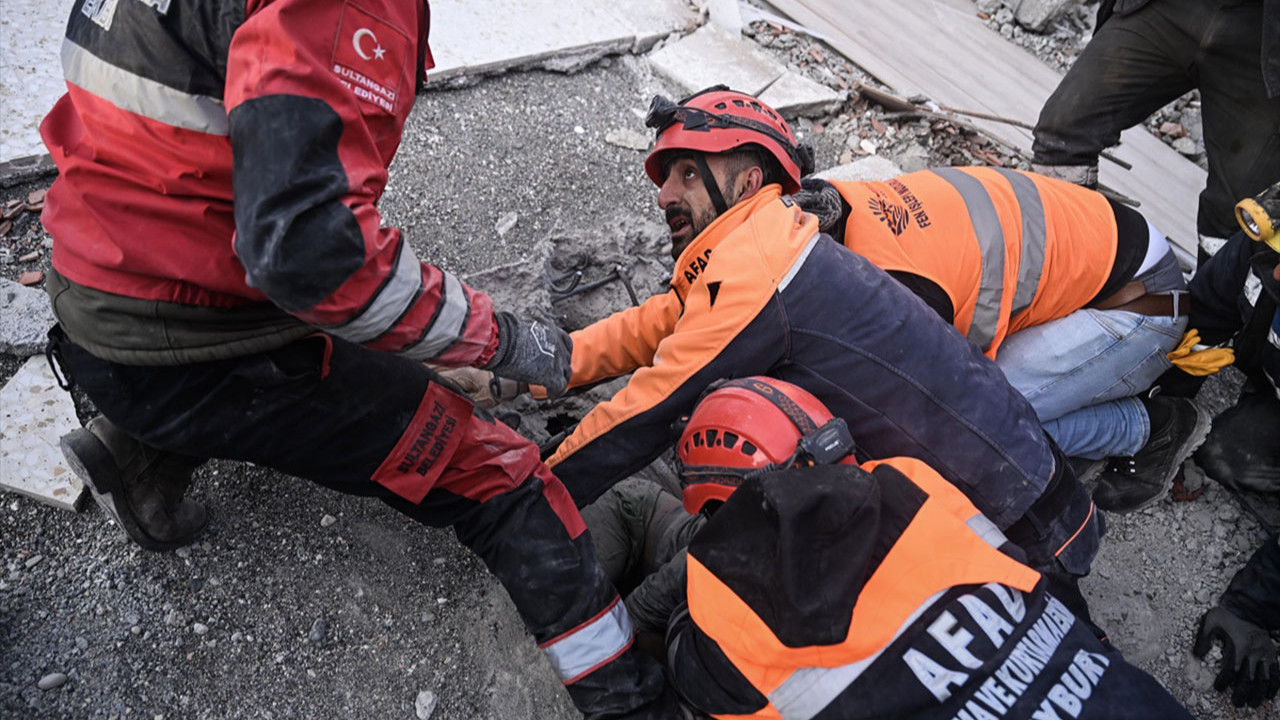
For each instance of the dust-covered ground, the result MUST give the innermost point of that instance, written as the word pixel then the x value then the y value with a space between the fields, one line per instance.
pixel 301 603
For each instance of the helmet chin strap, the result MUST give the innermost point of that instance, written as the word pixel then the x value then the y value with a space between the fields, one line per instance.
pixel 709 180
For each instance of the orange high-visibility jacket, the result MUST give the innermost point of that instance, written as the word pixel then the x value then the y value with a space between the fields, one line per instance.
pixel 1010 249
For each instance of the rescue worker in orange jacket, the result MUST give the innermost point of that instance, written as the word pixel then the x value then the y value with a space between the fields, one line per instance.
pixel 225 287
pixel 1077 298
pixel 757 289
pixel 818 590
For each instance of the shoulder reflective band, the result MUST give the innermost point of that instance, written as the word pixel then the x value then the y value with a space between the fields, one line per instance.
pixel 987 228
pixel 809 690
pixel 1031 265
pixel 991 243
pixel 143 96
pixel 592 644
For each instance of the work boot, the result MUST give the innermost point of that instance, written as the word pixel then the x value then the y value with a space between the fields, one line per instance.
pixel 140 486
pixel 1242 451
pixel 1178 426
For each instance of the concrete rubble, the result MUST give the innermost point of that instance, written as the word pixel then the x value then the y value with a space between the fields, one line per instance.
pixel 25 318
pixel 34 413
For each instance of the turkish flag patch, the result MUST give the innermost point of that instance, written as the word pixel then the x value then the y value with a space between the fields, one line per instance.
pixel 370 57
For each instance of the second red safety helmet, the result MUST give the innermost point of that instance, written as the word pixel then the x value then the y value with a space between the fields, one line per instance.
pixel 718 120
pixel 750 425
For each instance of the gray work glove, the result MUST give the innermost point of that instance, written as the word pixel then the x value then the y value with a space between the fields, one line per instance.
pixel 822 200
pixel 1249 660
pixel 532 352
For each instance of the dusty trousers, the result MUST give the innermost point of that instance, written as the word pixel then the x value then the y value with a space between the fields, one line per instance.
pixel 1138 62
pixel 367 423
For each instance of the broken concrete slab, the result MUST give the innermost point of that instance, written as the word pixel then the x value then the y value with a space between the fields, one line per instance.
pixel 867 169
pixel 710 56
pixel 34 414
pixel 26 169
pixel 25 319
pixel 795 95
pixel 471 38
pixel 653 20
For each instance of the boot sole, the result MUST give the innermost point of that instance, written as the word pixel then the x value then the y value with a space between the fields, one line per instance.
pixel 93 463
pixel 1193 442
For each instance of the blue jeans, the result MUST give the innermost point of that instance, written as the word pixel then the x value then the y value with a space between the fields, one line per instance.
pixel 1081 373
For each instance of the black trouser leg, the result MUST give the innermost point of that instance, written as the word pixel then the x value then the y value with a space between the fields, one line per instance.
pixel 366 423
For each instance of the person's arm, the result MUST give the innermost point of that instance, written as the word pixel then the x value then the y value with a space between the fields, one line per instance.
pixel 624 341
pixel 702 675
pixel 316 110
pixel 929 291
pixel 745 335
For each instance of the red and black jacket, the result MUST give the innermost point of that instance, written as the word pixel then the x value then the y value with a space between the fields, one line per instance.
pixel 228 154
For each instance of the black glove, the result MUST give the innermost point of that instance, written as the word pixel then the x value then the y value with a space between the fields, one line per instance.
pixel 533 352
pixel 1249 660
pixel 821 199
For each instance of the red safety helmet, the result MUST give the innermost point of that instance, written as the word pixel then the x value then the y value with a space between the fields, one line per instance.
pixel 743 427
pixel 718 120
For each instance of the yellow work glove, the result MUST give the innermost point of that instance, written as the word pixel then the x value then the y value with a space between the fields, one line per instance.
pixel 1199 362
pixel 484 388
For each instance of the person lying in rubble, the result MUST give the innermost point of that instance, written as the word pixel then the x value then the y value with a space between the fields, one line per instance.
pixel 1078 299
pixel 811 585
pixel 757 289
pixel 224 287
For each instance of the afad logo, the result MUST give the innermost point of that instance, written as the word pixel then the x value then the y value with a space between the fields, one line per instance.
pixel 891 214
pixel 369 57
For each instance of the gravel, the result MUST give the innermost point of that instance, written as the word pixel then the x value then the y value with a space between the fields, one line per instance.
pixel 301 603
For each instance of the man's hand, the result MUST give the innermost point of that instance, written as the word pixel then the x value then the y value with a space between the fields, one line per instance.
pixel 532 352
pixel 484 388
pixel 1249 660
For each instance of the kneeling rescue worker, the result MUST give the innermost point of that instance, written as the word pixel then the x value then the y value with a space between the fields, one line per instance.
pixel 759 290
pixel 822 589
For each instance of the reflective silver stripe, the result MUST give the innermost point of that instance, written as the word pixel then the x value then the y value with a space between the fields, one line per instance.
pixel 449 324
pixel 1031 266
pixel 986 225
pixel 795 266
pixel 809 690
pixel 987 530
pixel 591 645
pixel 137 94
pixel 391 302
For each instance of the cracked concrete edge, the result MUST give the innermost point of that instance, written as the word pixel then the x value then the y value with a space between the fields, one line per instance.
pixel 26 169
pixel 564 60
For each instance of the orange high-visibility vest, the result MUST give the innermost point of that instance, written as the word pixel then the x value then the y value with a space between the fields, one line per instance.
pixel 1010 249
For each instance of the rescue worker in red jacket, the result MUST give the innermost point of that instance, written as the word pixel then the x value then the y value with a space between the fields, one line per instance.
pixel 1077 298
pixel 224 287
pixel 838 591
pixel 757 289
